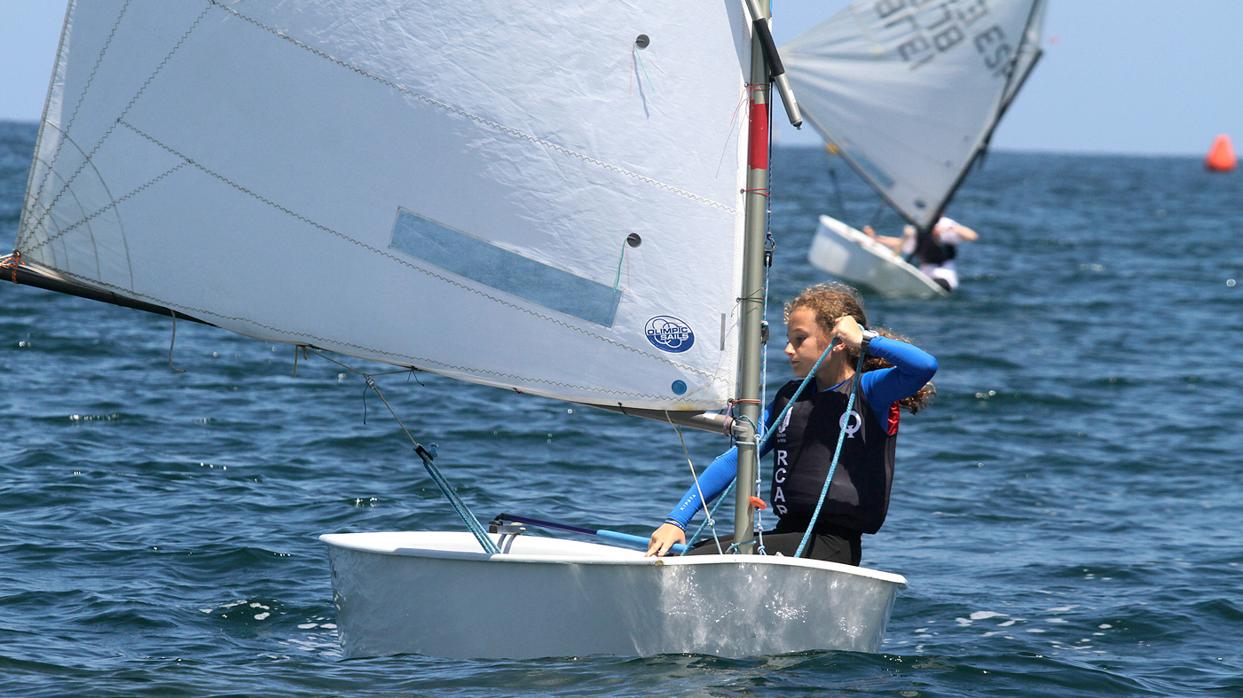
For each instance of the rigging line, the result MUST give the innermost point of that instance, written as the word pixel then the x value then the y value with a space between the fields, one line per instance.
pixel 880 208
pixel 770 245
pixel 837 452
pixel 641 78
pixel 762 436
pixel 426 455
pixel 730 136
pixel 172 342
pixel 708 520
pixel 621 259
pixel 120 117
pixel 837 193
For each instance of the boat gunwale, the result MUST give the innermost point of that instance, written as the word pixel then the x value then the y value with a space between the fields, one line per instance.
pixel 858 238
pixel 342 540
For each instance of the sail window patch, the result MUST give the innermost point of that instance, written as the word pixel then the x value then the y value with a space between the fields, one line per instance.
pixel 487 264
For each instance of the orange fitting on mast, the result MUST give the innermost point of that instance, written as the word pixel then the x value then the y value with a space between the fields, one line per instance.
pixel 741 401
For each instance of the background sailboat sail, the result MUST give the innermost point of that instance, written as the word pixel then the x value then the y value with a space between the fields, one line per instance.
pixel 391 181
pixel 1029 53
pixel 910 92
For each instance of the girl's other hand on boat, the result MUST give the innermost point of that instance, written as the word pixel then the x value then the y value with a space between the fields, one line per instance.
pixel 663 538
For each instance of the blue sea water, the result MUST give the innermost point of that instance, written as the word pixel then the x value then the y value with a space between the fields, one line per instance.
pixel 1069 512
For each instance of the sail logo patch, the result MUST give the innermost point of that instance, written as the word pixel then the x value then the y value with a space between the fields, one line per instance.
pixel 670 334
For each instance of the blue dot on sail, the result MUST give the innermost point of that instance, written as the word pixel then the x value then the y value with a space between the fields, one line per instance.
pixel 679 387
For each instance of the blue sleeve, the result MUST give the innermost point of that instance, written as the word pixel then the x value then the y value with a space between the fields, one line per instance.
pixel 912 368
pixel 712 481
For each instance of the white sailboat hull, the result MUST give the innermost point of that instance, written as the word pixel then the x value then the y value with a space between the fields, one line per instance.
pixel 852 256
pixel 436 593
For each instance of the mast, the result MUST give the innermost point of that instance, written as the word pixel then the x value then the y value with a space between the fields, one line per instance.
pixel 1017 77
pixel 751 350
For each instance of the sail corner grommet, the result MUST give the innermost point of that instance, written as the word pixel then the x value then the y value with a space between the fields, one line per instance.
pixel 642 41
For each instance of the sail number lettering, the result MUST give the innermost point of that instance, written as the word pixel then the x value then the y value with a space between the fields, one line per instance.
pixel 928 28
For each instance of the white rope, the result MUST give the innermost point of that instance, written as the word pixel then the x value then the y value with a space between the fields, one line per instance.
pixel 703 502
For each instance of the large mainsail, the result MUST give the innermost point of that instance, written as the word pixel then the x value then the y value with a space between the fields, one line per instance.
pixel 537 196
pixel 910 92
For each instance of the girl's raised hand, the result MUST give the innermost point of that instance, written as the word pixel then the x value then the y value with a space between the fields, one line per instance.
pixel 848 330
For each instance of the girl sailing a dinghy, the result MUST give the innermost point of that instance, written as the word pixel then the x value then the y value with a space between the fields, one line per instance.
pixel 895 374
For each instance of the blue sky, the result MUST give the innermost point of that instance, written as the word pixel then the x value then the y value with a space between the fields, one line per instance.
pixel 1118 76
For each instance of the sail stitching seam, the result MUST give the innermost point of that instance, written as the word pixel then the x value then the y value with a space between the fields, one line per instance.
pixel 405 262
pixel 89 232
pixel 120 117
pixel 129 263
pixel 90 80
pixel 474 117
pixel 410 359
pixel 140 189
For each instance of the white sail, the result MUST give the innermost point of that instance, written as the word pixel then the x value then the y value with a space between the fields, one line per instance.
pixel 910 91
pixel 449 186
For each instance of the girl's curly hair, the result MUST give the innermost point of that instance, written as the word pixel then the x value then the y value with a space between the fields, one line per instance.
pixel 830 301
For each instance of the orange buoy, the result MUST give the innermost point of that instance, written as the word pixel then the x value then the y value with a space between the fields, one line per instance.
pixel 1221 156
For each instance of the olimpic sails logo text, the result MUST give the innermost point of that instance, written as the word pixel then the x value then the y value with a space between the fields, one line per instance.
pixel 670 334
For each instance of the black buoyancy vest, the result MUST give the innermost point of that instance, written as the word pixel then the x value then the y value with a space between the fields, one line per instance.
pixel 929 251
pixel 803 449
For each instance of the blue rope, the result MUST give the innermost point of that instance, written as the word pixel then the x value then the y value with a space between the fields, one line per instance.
pixel 837 452
pixel 765 435
pixel 426 456
pixel 769 246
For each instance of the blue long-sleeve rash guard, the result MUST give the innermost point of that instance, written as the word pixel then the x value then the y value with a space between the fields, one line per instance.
pixel 912 368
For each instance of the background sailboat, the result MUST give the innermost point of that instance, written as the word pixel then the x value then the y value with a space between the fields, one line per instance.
pixel 909 96
pixel 557 200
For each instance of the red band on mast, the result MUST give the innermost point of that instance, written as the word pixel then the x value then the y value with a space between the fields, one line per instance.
pixel 757 158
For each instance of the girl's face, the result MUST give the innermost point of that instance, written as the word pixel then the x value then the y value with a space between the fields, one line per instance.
pixel 805 340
